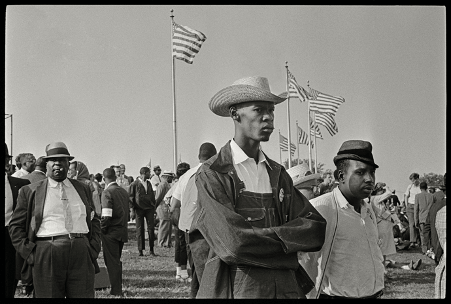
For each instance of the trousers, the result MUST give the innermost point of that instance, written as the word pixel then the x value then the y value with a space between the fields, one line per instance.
pixel 147 214
pixel 10 266
pixel 112 252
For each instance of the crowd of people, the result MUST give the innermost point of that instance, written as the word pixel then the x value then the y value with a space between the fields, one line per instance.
pixel 247 227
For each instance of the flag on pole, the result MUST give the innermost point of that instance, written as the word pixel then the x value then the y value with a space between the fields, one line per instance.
pixel 295 90
pixel 283 142
pixel 327 121
pixel 314 129
pixel 324 103
pixel 303 137
pixel 186 42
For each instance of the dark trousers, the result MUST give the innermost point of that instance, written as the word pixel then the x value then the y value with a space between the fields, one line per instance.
pixel 10 267
pixel 180 257
pixel 112 251
pixel 194 280
pixel 414 234
pixel 63 268
pixel 377 295
pixel 148 214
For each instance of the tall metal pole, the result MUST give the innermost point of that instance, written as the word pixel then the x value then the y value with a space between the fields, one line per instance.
pixel 280 150
pixel 174 115
pixel 11 146
pixel 309 135
pixel 316 146
pixel 297 138
pixel 288 119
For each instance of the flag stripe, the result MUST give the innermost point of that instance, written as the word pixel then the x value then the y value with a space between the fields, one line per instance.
pixel 283 142
pixel 294 89
pixel 186 42
pixel 327 121
pixel 324 103
pixel 303 137
pixel 314 129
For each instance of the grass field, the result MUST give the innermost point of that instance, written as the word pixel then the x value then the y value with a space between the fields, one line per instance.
pixel 154 277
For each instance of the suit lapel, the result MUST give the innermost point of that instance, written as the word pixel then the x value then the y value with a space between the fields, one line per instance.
pixel 41 192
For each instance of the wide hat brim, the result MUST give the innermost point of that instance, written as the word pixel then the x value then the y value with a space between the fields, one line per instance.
pixel 59 156
pixel 239 93
pixel 306 181
pixel 355 157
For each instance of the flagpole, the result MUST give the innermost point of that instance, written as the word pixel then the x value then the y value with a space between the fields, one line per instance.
pixel 174 123
pixel 288 119
pixel 309 135
pixel 316 146
pixel 280 150
pixel 297 136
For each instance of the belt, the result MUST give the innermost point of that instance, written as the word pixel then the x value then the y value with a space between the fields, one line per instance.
pixel 377 295
pixel 61 237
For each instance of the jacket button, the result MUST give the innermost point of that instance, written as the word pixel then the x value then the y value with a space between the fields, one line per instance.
pixel 248 218
pixel 309 214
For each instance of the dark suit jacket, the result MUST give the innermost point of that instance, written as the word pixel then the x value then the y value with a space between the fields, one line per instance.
pixel 16 184
pixel 116 226
pixel 35 176
pixel 139 197
pixel 27 219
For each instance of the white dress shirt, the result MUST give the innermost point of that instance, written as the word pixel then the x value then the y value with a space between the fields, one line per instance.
pixel 20 173
pixel 8 201
pixel 255 176
pixel 53 216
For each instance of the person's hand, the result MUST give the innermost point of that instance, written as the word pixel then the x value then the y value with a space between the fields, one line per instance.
pixel 132 214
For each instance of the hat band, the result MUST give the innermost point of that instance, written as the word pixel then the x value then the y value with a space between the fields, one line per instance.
pixel 56 151
pixel 359 152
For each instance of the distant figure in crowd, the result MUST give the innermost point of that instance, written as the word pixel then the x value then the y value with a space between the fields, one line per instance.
pixel 17 160
pixel 431 190
pixel 163 214
pixel 304 180
pixel 409 198
pixel 423 202
pixel 335 184
pixel 96 194
pixel 12 186
pixel 440 270
pixel 39 171
pixel 55 229
pixel 350 263
pixel 122 179
pixel 79 171
pixel 130 179
pixel 99 179
pixel 250 221
pixel 438 201
pixel 156 180
pixel 28 163
pixel 143 205
pixel 114 228
pixel 180 252
pixel 185 198
pixel 327 181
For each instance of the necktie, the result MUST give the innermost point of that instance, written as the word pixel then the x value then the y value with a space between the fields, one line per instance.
pixel 66 208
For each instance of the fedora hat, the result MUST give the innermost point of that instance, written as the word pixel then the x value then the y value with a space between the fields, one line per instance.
pixel 57 149
pixel 255 88
pixel 302 177
pixel 167 173
pixel 6 151
pixel 357 150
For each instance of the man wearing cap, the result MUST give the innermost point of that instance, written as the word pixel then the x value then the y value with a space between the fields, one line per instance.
pixel 350 263
pixel 250 221
pixel 55 229
pixel 155 180
pixel 163 214
pixel 12 186
pixel 39 171
pixel 114 228
pixel 28 163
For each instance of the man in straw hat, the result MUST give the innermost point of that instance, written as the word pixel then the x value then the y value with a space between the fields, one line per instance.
pixel 350 263
pixel 12 186
pixel 250 220
pixel 57 232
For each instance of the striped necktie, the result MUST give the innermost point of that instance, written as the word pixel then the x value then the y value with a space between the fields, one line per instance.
pixel 66 207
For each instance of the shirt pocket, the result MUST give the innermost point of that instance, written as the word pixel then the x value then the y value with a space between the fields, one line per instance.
pixel 255 216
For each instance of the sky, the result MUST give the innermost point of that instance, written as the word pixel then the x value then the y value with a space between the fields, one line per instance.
pixel 99 79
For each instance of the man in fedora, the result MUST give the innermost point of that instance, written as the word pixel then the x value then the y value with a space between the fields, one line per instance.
pixel 350 263
pixel 57 232
pixel 12 186
pixel 250 221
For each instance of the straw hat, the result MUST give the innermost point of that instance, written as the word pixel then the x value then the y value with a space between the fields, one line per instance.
pixel 255 88
pixel 302 177
pixel 57 149
pixel 167 173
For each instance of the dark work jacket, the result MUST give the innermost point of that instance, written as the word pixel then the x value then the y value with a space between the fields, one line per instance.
pixel 115 226
pixel 220 237
pixel 139 198
pixel 438 201
pixel 27 219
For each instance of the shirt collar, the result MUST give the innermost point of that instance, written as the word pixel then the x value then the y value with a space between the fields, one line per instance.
pixel 53 183
pixel 344 204
pixel 39 171
pixel 239 156
pixel 110 184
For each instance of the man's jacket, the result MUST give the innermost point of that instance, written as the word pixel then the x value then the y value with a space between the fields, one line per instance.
pixel 27 219
pixel 220 237
pixel 139 198
pixel 115 226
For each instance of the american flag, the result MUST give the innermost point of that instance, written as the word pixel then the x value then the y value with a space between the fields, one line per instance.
pixel 303 137
pixel 324 103
pixel 283 142
pixel 295 90
pixel 186 42
pixel 314 129
pixel 327 121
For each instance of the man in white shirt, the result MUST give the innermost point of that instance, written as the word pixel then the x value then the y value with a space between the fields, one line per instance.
pixel 60 236
pixel 350 263
pixel 155 180
pixel 28 162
